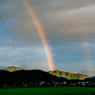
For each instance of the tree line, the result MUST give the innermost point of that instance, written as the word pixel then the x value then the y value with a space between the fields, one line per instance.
pixel 21 77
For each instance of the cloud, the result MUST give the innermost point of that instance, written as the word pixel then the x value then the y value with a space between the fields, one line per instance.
pixel 68 25
pixel 71 22
pixel 57 17
pixel 33 56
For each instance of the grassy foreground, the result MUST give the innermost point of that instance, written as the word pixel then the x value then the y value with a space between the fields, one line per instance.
pixel 48 91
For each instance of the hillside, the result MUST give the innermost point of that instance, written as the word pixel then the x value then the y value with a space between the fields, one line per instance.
pixel 87 72
pixel 90 79
pixel 68 75
pixel 13 68
pixel 57 73
pixel 18 78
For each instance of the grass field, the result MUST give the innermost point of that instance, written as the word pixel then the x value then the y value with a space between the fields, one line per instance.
pixel 48 91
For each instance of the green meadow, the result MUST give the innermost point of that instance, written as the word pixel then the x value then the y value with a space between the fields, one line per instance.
pixel 48 91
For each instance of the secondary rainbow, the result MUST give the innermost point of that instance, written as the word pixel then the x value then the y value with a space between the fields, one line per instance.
pixel 84 43
pixel 41 34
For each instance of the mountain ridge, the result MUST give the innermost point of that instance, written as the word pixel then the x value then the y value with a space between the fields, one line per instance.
pixel 13 68
pixel 68 75
pixel 87 72
pixel 58 73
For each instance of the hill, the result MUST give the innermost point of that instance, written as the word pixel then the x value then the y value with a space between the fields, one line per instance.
pixel 57 73
pixel 90 79
pixel 87 72
pixel 68 75
pixel 13 68
pixel 26 77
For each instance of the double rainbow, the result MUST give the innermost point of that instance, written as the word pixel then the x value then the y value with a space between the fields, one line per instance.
pixel 84 45
pixel 41 34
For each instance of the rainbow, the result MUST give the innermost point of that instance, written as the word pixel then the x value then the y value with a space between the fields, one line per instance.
pixel 88 59
pixel 84 45
pixel 86 50
pixel 41 34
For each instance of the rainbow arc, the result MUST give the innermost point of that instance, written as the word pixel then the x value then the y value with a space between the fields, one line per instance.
pixel 41 34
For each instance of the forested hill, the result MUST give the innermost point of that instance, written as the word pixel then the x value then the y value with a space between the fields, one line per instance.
pixel 57 73
pixel 69 75
pixel 90 79
pixel 24 76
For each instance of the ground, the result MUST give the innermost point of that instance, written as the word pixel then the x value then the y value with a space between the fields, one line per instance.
pixel 48 91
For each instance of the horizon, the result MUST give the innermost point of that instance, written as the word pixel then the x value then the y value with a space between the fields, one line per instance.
pixel 48 35
pixel 84 72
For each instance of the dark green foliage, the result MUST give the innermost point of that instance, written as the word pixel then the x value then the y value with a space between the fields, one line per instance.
pixel 17 78
pixel 90 78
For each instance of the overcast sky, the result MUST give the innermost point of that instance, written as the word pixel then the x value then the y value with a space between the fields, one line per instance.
pixel 69 26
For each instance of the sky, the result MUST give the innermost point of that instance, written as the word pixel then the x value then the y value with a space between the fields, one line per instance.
pixel 69 26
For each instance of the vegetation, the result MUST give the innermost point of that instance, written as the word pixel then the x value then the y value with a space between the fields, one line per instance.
pixel 19 78
pixel 49 91
pixel 90 78
pixel 39 78
pixel 69 75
